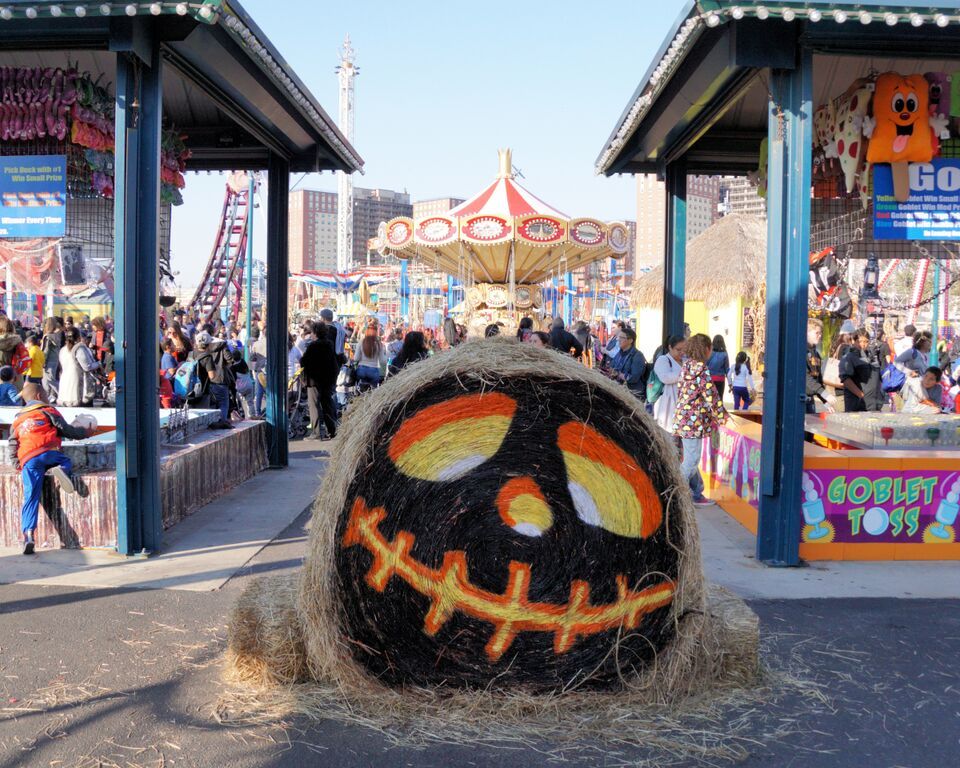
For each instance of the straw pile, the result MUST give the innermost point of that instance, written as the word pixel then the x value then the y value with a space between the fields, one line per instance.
pixel 498 518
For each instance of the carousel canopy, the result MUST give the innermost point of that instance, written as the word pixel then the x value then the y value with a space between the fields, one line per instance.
pixel 504 234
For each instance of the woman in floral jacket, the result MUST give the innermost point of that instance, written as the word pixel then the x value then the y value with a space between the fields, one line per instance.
pixel 699 410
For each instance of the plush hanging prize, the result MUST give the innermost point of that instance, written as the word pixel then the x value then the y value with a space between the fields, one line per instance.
pixel 850 110
pixel 901 127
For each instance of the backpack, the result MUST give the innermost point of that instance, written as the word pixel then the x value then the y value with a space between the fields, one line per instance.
pixel 185 380
pixel 654 387
pixel 892 378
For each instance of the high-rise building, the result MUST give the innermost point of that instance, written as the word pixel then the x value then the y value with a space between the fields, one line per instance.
pixel 739 195
pixel 313 231
pixel 370 208
pixel 703 198
pixel 436 207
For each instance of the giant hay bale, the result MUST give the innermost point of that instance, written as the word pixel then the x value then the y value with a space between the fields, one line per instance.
pixel 498 517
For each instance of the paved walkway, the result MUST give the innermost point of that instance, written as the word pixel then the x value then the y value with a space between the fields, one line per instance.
pixel 200 553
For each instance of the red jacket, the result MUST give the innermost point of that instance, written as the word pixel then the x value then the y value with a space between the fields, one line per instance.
pixel 38 428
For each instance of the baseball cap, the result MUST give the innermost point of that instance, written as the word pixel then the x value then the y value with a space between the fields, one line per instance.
pixel 203 339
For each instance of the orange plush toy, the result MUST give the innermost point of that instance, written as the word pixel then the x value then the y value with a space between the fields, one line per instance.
pixel 901 113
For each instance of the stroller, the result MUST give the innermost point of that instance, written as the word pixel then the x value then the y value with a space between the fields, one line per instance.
pixel 298 414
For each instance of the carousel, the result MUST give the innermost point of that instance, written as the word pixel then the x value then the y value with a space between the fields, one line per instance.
pixel 501 246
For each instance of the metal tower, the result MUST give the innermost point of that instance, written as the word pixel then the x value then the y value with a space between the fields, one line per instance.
pixel 346 71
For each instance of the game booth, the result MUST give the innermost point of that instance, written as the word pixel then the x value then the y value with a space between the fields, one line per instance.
pixel 845 117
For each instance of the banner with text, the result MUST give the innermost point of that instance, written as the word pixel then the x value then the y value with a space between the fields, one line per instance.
pixel 931 213
pixel 889 507
pixel 33 196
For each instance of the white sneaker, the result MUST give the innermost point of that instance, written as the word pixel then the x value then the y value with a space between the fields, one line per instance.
pixel 63 480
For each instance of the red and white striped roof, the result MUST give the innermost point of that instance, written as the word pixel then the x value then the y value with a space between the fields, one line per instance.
pixel 505 198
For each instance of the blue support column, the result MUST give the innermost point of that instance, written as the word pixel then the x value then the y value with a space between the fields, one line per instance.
pixel 788 243
pixel 248 300
pixel 404 290
pixel 136 245
pixel 278 191
pixel 675 256
pixel 449 292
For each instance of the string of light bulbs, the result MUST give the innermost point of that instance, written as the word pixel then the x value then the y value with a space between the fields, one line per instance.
pixel 206 11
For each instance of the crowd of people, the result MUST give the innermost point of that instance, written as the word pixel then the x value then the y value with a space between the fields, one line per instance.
pixel 865 370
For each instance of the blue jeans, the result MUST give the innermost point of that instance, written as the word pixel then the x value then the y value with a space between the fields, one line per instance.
pixel 692 448
pixel 741 395
pixel 368 374
pixel 32 475
pixel 221 394
pixel 258 394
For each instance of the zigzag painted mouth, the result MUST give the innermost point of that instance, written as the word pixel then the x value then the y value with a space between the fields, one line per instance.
pixel 450 589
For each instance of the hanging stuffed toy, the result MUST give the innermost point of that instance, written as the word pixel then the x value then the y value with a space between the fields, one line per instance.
pixel 851 109
pixel 939 107
pixel 900 130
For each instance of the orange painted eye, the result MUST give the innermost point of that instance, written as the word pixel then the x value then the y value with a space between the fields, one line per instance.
pixel 448 440
pixel 609 489
pixel 523 507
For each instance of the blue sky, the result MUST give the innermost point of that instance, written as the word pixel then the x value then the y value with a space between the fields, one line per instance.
pixel 443 85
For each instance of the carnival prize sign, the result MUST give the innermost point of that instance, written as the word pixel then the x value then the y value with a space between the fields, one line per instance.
pixel 932 212
pixel 33 196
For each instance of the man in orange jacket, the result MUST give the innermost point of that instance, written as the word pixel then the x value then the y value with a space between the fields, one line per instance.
pixel 34 448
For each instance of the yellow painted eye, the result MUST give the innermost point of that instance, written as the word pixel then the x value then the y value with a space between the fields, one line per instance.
pixel 608 488
pixel 448 440
pixel 522 506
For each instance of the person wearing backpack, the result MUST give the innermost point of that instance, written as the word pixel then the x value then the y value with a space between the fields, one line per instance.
pixel 12 350
pixel 214 371
pixel 666 371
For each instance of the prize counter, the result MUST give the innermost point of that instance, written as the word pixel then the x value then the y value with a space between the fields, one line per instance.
pixel 876 486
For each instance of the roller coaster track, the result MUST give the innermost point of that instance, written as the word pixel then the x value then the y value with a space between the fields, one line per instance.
pixel 227 260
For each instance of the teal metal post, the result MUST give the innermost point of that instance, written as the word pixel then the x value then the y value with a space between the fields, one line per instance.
pixel 136 244
pixel 675 256
pixel 568 299
pixel 404 290
pixel 788 244
pixel 449 292
pixel 249 273
pixel 278 191
pixel 935 322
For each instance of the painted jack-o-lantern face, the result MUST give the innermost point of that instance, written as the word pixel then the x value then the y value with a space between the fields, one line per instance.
pixel 517 536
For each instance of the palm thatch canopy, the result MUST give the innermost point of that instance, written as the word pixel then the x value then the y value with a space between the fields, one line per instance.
pixel 724 262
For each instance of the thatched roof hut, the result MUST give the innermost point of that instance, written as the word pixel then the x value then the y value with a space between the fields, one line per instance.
pixel 725 262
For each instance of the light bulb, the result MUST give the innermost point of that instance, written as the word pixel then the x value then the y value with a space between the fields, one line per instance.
pixel 713 20
pixel 839 16
pixel 31 12
pixel 916 19
pixel 206 12
pixel 940 20
pixel 789 14
pixel 736 12
pixel 131 10
pixel 181 9
pixel 762 12
pixel 865 17
pixel 6 14
pixel 80 11
pixel 156 9
pixel 890 19
pixel 56 11
pixel 105 9
pixel 814 15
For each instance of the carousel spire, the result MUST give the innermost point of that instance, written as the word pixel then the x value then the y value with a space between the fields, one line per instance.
pixel 506 163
